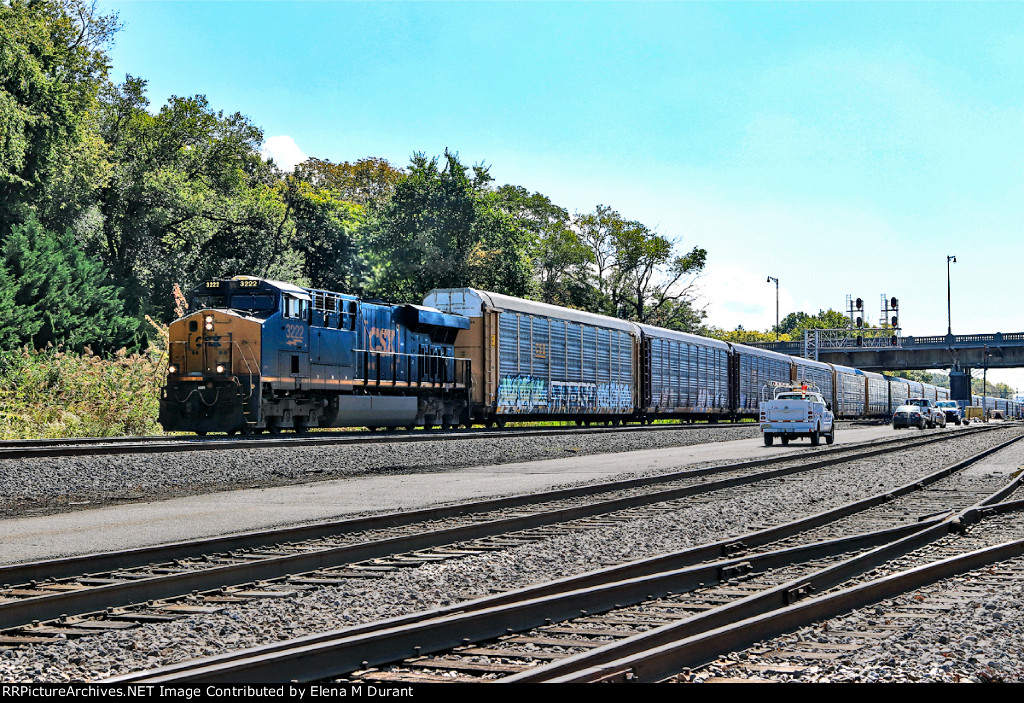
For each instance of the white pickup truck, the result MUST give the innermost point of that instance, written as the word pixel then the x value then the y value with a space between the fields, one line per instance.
pixel 797 412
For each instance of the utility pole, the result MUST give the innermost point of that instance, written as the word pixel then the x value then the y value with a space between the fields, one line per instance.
pixel 949 314
pixel 770 279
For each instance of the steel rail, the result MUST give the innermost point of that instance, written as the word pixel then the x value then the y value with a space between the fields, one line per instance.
pixel 677 568
pixel 648 649
pixel 19 612
pixel 107 561
pixel 311 662
pixel 658 663
pixel 99 446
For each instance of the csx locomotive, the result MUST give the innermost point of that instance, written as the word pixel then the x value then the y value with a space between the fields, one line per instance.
pixel 265 355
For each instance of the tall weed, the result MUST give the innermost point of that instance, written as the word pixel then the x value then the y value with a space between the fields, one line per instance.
pixel 52 393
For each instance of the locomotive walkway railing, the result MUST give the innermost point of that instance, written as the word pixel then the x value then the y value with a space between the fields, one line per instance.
pixel 380 368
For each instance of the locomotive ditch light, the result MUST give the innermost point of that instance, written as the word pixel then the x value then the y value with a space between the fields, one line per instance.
pixel 172 369
pixel 220 369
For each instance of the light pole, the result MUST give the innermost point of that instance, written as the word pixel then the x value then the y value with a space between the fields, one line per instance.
pixel 949 314
pixel 984 388
pixel 770 279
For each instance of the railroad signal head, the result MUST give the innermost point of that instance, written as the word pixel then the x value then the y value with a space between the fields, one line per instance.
pixel 860 340
pixel 860 303
pixel 895 321
pixel 860 321
pixel 894 303
pixel 893 341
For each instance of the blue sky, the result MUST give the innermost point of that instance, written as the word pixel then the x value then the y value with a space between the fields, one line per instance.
pixel 845 148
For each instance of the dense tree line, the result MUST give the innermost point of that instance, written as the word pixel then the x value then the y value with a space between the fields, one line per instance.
pixel 106 204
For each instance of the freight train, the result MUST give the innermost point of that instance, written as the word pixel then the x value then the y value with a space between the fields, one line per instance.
pixel 265 355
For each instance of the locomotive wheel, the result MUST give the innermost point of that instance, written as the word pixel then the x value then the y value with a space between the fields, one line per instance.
pixel 231 433
pixel 500 422
pixel 272 427
pixel 247 429
pixel 299 427
pixel 200 433
pixel 371 428
pixel 410 427
pixel 579 423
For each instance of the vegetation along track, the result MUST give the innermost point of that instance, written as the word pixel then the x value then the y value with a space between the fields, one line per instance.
pixel 325 553
pixel 586 621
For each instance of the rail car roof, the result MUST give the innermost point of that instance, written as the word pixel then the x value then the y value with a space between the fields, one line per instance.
pixel 662 333
pixel 755 351
pixel 471 302
pixel 801 361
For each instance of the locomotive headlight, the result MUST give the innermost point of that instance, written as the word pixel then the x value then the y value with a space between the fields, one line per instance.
pixel 209 319
pixel 220 369
pixel 172 369
pixel 209 325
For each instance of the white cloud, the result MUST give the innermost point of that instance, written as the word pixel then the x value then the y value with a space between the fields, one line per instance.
pixel 284 151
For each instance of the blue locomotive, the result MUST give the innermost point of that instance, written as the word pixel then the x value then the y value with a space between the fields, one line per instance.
pixel 265 355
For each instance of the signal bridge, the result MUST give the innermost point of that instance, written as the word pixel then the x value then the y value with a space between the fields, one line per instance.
pixel 884 349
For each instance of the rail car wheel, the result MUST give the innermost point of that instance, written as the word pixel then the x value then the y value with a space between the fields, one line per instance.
pixel 247 429
pixel 371 428
pixel 768 439
pixel 579 423
pixel 230 433
pixel 200 433
pixel 500 422
pixel 410 428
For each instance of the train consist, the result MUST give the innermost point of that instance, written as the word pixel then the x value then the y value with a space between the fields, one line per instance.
pixel 264 355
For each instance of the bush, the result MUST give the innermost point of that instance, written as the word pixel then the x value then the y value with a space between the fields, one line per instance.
pixel 52 393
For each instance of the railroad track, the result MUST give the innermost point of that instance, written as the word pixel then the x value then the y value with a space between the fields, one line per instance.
pixel 94 446
pixel 543 623
pixel 224 570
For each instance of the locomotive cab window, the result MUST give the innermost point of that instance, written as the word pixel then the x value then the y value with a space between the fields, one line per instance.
pixel 295 308
pixel 252 303
pixel 208 301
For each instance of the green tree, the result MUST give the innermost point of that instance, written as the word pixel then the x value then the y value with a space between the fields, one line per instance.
pixel 442 228
pixel 56 295
pixel 188 197
pixel 640 274
pixel 52 63
pixel 561 262
pixel 795 323
pixel 327 234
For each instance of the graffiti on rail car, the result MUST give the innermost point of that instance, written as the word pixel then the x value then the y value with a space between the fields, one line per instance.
pixel 526 394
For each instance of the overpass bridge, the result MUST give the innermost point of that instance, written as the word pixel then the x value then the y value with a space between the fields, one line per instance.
pixel 894 353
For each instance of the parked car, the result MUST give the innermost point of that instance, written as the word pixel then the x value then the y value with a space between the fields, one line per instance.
pixel 932 415
pixel 952 410
pixel 909 416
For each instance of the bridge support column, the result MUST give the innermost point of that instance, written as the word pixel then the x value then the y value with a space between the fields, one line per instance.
pixel 960 385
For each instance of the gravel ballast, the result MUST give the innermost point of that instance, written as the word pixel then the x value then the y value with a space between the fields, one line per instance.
pixel 43 486
pixel 415 589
